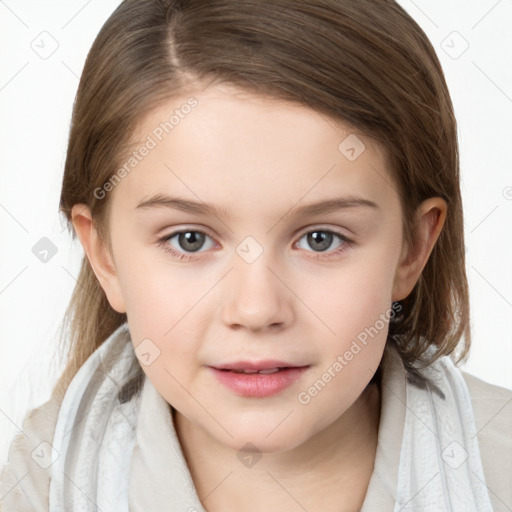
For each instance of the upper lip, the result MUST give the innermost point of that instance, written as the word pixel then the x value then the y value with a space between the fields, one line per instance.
pixel 256 365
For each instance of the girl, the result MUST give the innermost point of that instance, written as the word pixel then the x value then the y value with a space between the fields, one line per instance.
pixel 218 359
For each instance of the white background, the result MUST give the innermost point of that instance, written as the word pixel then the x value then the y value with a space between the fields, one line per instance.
pixel 36 98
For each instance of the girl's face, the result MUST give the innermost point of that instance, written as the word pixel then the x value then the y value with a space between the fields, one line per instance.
pixel 289 256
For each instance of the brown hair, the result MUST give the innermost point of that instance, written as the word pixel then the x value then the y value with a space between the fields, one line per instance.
pixel 343 59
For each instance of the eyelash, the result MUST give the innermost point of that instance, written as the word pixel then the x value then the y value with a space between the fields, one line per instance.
pixel 162 243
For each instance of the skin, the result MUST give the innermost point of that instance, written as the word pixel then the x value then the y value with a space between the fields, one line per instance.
pixel 261 158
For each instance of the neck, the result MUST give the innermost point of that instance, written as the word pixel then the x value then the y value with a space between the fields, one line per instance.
pixel 330 471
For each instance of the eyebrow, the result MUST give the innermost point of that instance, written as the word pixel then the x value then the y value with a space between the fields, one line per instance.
pixel 200 208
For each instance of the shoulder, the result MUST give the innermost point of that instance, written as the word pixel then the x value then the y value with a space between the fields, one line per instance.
pixel 25 479
pixel 492 409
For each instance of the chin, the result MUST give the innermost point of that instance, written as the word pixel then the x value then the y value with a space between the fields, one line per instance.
pixel 272 436
pixel 258 442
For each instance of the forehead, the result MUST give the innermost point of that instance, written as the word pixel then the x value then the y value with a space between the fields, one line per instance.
pixel 231 148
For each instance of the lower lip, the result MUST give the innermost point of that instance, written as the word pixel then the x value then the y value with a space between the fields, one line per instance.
pixel 259 385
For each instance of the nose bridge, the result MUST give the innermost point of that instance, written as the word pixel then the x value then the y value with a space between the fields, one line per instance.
pixel 256 297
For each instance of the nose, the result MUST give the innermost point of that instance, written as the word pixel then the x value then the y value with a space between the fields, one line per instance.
pixel 257 298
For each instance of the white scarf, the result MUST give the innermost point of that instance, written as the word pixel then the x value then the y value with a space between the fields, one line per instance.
pixel 440 467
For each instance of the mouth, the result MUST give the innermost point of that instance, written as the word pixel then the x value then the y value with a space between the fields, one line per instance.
pixel 258 379
pixel 266 366
pixel 263 371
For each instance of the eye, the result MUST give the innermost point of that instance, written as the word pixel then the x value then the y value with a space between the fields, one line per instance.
pixel 189 241
pixel 183 244
pixel 322 239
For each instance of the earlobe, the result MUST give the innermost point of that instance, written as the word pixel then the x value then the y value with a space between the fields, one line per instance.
pixel 99 256
pixel 430 218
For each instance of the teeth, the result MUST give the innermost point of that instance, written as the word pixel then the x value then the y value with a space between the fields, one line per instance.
pixel 269 370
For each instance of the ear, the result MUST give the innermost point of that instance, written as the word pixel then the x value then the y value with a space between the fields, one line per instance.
pixel 99 256
pixel 429 220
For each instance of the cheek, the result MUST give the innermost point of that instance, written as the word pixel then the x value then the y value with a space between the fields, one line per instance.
pixel 352 297
pixel 354 313
pixel 353 308
pixel 162 323
pixel 157 293
pixel 165 311
pixel 162 305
